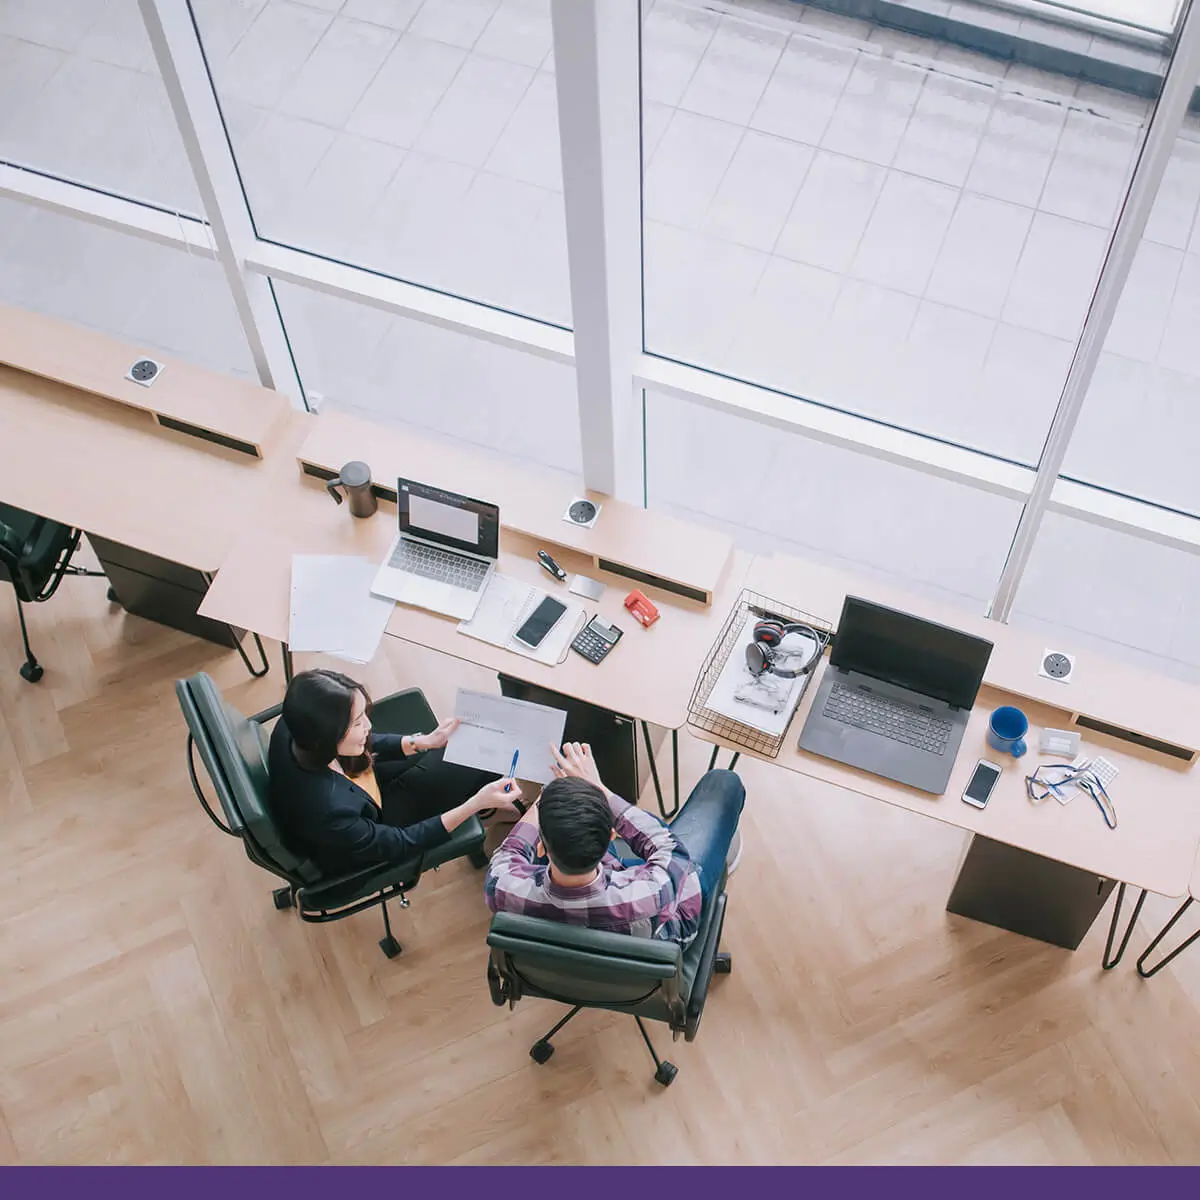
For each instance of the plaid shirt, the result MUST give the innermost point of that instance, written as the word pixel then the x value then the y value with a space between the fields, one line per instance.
pixel 658 898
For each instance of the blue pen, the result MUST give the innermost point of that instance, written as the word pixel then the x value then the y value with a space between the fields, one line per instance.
pixel 513 769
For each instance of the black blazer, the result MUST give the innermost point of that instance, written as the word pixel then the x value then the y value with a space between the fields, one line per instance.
pixel 331 820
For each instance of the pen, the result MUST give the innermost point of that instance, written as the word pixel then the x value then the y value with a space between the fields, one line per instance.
pixel 512 770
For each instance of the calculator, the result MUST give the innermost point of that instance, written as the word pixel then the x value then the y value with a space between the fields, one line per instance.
pixel 596 639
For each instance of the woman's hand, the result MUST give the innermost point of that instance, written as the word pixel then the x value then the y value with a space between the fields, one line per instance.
pixel 576 762
pixel 500 794
pixel 437 739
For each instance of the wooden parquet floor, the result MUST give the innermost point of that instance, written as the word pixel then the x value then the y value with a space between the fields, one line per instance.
pixel 155 1008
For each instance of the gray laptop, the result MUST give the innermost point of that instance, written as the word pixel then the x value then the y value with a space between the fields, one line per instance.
pixel 896 695
pixel 444 555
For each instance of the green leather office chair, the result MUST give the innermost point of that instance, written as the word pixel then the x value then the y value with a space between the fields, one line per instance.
pixel 589 968
pixel 233 749
pixel 35 555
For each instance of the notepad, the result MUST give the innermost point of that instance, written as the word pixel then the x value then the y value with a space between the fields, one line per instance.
pixel 502 611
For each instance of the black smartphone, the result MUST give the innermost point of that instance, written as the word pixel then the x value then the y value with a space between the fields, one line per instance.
pixel 979 790
pixel 540 622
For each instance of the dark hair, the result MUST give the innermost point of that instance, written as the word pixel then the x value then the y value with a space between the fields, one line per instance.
pixel 317 710
pixel 576 824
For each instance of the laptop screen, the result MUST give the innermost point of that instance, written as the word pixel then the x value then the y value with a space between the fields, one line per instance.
pixel 448 518
pixel 933 660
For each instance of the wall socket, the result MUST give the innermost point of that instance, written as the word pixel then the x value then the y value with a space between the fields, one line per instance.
pixel 1057 665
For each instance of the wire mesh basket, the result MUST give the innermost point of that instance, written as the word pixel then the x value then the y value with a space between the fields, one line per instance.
pixel 750 606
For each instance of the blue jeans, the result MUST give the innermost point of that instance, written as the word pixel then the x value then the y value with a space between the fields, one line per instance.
pixel 706 823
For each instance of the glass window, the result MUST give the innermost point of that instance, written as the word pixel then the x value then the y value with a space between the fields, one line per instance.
pixel 419 140
pixel 1140 425
pixel 410 373
pixel 777 492
pixel 1120 596
pixel 81 98
pixel 879 222
pixel 163 299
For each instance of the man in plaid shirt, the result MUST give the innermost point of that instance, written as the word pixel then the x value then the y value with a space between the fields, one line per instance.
pixel 558 861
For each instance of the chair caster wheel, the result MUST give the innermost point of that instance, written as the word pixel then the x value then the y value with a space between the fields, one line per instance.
pixel 31 672
pixel 111 596
pixel 666 1073
pixel 540 1052
pixel 390 946
pixel 723 964
pixel 478 859
pixel 283 897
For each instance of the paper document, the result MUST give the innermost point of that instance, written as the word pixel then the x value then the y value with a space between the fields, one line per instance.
pixel 764 702
pixel 494 726
pixel 332 609
pixel 502 611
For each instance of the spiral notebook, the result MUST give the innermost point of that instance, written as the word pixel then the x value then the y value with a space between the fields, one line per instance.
pixel 506 604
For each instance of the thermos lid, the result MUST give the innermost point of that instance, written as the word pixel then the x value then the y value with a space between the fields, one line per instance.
pixel 355 474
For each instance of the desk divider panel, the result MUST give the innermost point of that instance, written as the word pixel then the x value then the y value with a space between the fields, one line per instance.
pixel 648 547
pixel 189 399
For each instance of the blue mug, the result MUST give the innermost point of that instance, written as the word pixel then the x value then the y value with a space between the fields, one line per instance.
pixel 1007 729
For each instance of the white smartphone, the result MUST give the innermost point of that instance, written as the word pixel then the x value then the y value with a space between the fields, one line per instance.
pixel 983 779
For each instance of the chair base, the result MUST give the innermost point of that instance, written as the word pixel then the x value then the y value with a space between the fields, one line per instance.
pixel 664 1072
pixel 390 946
pixel 32 670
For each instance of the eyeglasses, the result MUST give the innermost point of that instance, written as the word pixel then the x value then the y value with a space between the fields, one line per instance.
pixel 1054 779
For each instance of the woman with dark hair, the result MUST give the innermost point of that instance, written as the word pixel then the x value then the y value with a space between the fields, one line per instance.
pixel 348 797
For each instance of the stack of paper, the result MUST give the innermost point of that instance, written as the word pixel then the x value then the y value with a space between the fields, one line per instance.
pixel 332 609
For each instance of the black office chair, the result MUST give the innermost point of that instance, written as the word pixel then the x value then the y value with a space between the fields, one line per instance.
pixel 589 968
pixel 233 749
pixel 35 555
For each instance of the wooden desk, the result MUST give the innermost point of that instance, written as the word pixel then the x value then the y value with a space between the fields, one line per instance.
pixel 161 500
pixel 682 557
pixel 190 399
pixel 1010 870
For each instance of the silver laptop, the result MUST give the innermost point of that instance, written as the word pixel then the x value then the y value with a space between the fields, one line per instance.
pixel 445 552
pixel 896 696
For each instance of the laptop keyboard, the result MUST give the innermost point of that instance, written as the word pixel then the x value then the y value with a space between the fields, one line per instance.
pixel 892 718
pixel 442 565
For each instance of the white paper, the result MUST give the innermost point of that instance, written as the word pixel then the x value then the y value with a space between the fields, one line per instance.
pixel 494 726
pixel 502 611
pixel 735 684
pixel 332 608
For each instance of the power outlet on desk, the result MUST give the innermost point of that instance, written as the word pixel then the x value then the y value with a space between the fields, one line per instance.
pixel 144 371
pixel 1057 665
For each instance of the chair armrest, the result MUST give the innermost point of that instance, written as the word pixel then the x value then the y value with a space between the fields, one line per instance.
pixel 267 714
pixel 705 961
pixel 354 885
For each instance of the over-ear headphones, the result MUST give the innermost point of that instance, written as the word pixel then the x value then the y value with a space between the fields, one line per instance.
pixel 764 653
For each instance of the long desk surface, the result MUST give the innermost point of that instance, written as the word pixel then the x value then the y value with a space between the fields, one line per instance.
pixel 100 463
pixel 252 590
pixel 1157 797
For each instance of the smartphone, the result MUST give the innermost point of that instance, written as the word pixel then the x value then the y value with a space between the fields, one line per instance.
pixel 540 622
pixel 979 790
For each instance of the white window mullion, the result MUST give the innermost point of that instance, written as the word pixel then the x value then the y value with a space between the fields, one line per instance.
pixel 180 58
pixel 597 68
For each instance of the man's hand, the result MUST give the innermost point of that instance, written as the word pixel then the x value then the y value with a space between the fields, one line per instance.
pixel 438 738
pixel 500 794
pixel 576 762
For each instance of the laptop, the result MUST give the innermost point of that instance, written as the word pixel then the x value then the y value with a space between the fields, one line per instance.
pixel 896 696
pixel 445 552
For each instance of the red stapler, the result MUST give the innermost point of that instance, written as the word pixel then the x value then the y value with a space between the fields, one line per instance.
pixel 642 608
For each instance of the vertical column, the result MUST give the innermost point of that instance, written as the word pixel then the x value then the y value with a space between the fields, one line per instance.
pixel 1165 123
pixel 176 43
pixel 597 54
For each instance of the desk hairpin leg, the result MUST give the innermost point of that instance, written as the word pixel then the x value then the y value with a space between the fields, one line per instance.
pixel 666 816
pixel 1141 967
pixel 1109 961
pixel 712 762
pixel 262 654
pixel 287 662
